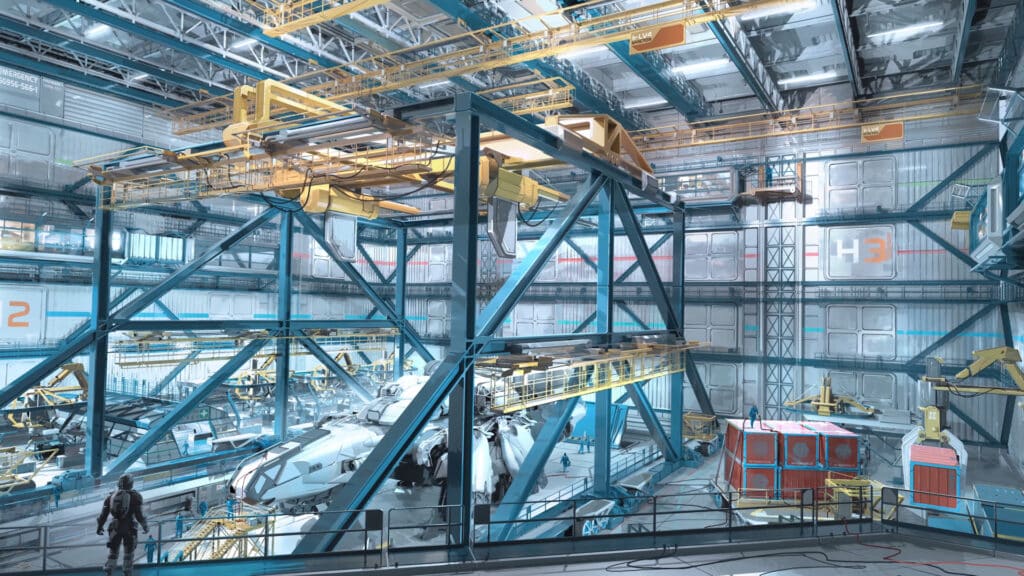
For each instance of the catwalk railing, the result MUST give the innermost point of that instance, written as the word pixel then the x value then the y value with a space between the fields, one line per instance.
pixel 382 538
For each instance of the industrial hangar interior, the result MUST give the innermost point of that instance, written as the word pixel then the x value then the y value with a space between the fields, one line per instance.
pixel 718 287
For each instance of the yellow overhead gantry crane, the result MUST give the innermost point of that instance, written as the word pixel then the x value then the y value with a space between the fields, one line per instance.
pixel 502 45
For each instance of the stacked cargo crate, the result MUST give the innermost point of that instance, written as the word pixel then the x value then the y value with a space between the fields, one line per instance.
pixel 776 459
pixel 751 459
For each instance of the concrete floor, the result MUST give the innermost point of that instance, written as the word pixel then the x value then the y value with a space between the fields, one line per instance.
pixel 848 559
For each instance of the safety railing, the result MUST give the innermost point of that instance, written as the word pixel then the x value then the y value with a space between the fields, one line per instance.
pixel 985 521
pixel 599 372
pixel 640 520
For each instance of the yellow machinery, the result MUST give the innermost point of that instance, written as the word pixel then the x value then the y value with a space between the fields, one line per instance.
pixel 860 491
pixel 1005 356
pixel 533 381
pixel 825 403
pixel 699 426
pixel 49 395
pixel 11 459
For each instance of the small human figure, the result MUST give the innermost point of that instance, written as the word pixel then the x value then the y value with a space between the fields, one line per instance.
pixel 768 176
pixel 590 442
pixel 56 495
pixel 165 557
pixel 753 414
pixel 179 525
pixel 180 556
pixel 583 440
pixel 231 508
pixel 184 449
pixel 565 462
pixel 150 549
pixel 124 508
pixel 203 508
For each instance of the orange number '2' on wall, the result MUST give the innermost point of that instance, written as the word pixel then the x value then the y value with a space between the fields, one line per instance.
pixel 879 249
pixel 12 319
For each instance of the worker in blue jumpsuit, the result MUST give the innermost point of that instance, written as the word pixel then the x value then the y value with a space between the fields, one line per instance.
pixel 231 507
pixel 150 549
pixel 179 525
pixel 584 441
pixel 56 495
pixel 203 508
pixel 565 462
pixel 753 415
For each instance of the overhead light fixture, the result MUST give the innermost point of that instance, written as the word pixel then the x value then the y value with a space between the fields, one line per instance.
pixel 138 77
pixel 900 34
pixel 244 43
pixel 817 76
pixel 646 103
pixel 96 30
pixel 437 84
pixel 701 67
pixel 788 8
pixel 590 51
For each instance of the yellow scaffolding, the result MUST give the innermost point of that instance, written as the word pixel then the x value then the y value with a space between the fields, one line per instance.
pixel 517 389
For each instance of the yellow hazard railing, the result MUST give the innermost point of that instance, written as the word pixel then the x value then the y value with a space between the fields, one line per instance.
pixel 577 377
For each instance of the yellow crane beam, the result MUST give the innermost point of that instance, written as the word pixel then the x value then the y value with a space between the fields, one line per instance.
pixel 280 18
pixel 494 47
pixel 866 113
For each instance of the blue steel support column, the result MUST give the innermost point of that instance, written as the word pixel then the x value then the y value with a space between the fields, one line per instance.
pixel 401 263
pixel 324 358
pixel 81 339
pixel 605 325
pixel 156 432
pixel 324 534
pixel 632 267
pixel 634 232
pixel 1011 401
pixel 842 20
pixel 317 233
pixel 463 331
pixel 675 428
pixel 960 40
pixel 95 437
pixel 284 316
pixel 531 469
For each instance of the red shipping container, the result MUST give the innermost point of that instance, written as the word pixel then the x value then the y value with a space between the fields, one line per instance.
pixel 935 469
pixel 759 482
pixel 793 481
pixel 798 446
pixel 733 473
pixel 838 445
pixel 734 436
pixel 759 446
